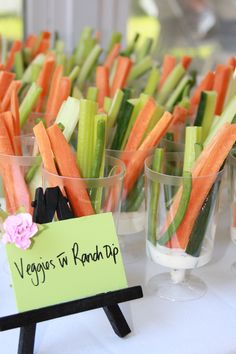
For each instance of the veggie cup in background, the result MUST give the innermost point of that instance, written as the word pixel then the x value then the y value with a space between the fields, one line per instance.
pixel 179 236
pixel 92 195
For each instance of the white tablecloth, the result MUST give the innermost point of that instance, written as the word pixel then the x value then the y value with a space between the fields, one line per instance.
pixel 203 326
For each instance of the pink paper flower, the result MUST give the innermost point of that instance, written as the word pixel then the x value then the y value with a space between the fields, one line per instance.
pixel 19 229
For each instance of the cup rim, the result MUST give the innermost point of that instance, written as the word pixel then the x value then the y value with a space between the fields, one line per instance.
pixel 232 158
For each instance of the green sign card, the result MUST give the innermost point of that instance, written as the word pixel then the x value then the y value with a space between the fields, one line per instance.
pixel 68 260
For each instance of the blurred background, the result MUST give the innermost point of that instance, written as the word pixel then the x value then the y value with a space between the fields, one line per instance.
pixel 205 29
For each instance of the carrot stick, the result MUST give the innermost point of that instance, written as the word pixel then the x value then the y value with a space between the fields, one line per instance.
pixel 16 46
pixel 169 63
pixel 232 61
pixel 15 111
pixel 30 41
pixel 43 47
pixel 9 123
pixel 102 83
pixel 111 57
pixel 222 78
pixel 186 61
pixel 14 85
pixel 123 68
pixel 45 148
pixel 5 80
pixel 136 163
pixel 54 88
pixel 205 85
pixel 144 117
pixel 44 80
pixel 66 162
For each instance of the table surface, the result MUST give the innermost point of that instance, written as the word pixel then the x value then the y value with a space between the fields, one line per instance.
pixel 203 326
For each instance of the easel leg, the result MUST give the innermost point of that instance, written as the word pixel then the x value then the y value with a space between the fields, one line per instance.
pixel 26 340
pixel 117 320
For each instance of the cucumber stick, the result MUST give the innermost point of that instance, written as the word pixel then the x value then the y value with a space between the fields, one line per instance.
pixel 154 196
pixel 193 136
pixel 171 82
pixel 28 103
pixel 140 68
pixel 87 112
pixel 177 93
pixel 70 108
pixel 182 208
pixel 152 82
pixel 205 112
pixel 115 107
pixel 122 124
pixel 226 117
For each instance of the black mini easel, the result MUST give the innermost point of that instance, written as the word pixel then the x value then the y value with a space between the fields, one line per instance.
pixel 45 206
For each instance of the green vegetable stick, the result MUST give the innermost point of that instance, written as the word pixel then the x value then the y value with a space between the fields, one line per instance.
pixel 226 117
pixel 116 37
pixel 183 205
pixel 154 196
pixel 107 104
pixel 28 103
pixel 73 75
pixel 152 82
pixel 145 49
pixel 115 107
pixel 33 169
pixel 171 82
pixel 193 136
pixel 155 118
pixel 131 47
pixel 76 93
pixel 92 93
pixel 140 68
pixel 88 110
pixel 18 64
pixel 122 124
pixel 88 64
pixel 99 144
pixel 38 60
pixel 68 115
pixel 177 93
pixel 35 70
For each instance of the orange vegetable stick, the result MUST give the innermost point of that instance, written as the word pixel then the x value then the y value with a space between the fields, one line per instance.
pixel 205 85
pixel 186 61
pixel 123 68
pixel 16 46
pixel 2 66
pixel 222 78
pixel 15 111
pixel 43 47
pixel 54 88
pixel 5 80
pixel 232 61
pixel 136 163
pixel 44 80
pixel 45 148
pixel 102 83
pixel 9 123
pixel 169 63
pixel 17 193
pixel 201 188
pixel 14 85
pixel 30 41
pixel 144 117
pixel 66 162
pixel 111 57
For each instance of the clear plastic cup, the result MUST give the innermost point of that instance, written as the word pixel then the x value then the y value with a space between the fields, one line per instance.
pixel 175 239
pixel 232 195
pixel 104 193
pixel 32 120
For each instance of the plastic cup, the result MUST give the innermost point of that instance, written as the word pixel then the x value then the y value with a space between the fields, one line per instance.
pixel 184 248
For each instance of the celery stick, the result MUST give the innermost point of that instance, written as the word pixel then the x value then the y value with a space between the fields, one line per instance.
pixel 145 49
pixel 154 196
pixel 59 46
pixel 88 110
pixel 136 196
pixel 28 103
pixel 140 68
pixel 88 64
pixel 92 93
pixel 73 75
pixel 175 96
pixel 231 92
pixel 35 70
pixel 76 93
pixel 79 51
pixel 226 117
pixel 115 107
pixel 60 58
pixel 33 169
pixel 38 60
pixel 115 38
pixel 185 103
pixel 192 137
pixel 152 82
pixel 68 115
pixel 70 64
pixel 198 149
pixel 27 55
pixel 171 82
pixel 112 72
pixel 107 104
pixel 18 64
pixel 99 144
